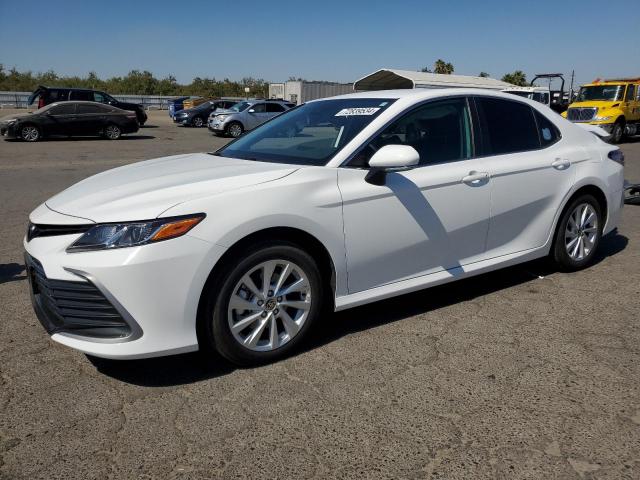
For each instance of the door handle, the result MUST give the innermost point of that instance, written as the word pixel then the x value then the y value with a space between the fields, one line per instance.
pixel 561 164
pixel 475 178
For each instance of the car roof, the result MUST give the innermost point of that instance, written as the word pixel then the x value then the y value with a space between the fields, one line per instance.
pixel 418 94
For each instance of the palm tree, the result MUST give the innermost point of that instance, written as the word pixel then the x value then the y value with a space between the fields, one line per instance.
pixel 516 78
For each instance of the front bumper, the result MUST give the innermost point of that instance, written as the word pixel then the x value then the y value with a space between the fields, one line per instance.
pixel 151 291
pixel 216 125
pixel 8 131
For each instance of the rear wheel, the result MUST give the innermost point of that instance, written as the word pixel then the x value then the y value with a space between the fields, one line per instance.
pixel 578 234
pixel 30 133
pixel 112 131
pixel 264 305
pixel 234 129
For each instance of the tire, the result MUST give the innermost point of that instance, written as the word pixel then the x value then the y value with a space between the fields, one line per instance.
pixel 112 131
pixel 273 325
pixel 617 134
pixel 234 129
pixel 197 122
pixel 30 133
pixel 572 231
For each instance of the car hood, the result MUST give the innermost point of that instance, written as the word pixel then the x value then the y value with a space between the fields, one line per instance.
pixel 16 116
pixel 144 190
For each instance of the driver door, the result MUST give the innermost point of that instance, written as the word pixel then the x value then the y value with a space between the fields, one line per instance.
pixel 425 220
pixel 256 115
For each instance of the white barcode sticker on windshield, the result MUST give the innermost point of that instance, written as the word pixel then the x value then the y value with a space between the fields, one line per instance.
pixel 345 112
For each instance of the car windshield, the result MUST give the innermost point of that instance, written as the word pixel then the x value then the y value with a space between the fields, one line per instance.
pixel 308 135
pixel 601 92
pixel 240 106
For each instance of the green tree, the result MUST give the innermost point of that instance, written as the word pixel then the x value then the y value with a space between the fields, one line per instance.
pixel 426 70
pixel 443 67
pixel 516 78
pixel 483 74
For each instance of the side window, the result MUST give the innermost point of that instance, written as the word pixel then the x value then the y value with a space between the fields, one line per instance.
pixel 259 108
pixel 440 131
pixel 274 108
pixel 81 95
pixel 99 97
pixel 509 126
pixel 64 109
pixel 549 133
pixel 630 93
pixel 86 108
pixel 57 95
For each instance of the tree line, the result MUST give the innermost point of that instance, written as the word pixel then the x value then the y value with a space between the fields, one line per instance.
pixel 134 83
pixel 138 82
pixel 517 77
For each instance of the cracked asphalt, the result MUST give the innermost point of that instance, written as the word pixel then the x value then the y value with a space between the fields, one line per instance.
pixel 525 373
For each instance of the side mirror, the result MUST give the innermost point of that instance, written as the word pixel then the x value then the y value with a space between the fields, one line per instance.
pixel 391 158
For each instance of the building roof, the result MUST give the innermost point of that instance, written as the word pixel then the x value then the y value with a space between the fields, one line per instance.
pixel 388 78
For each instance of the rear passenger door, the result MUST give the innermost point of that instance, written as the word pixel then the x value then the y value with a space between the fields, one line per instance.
pixel 90 119
pixel 531 172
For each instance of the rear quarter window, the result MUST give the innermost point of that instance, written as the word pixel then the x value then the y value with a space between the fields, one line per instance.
pixel 548 132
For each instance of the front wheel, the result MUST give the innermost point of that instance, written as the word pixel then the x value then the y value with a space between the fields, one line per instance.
pixel 198 122
pixel 578 234
pixel 617 133
pixel 264 305
pixel 112 132
pixel 30 133
pixel 234 129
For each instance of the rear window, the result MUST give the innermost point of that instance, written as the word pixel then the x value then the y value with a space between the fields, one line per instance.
pixel 508 126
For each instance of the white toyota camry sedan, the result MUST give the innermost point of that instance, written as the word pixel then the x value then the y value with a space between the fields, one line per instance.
pixel 333 204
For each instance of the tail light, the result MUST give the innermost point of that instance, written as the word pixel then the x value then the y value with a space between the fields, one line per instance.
pixel 40 102
pixel 617 156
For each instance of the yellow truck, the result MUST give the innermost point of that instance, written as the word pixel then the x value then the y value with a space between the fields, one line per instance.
pixel 613 105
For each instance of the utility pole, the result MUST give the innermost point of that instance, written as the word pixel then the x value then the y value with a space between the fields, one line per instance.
pixel 571 87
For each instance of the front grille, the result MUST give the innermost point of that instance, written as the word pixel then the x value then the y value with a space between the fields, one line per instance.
pixel 73 307
pixel 581 114
pixel 40 230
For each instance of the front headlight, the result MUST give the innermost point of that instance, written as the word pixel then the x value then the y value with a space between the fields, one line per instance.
pixel 221 118
pixel 131 234
pixel 11 121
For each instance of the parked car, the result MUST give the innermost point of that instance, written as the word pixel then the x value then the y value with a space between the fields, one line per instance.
pixel 70 119
pixel 175 105
pixel 47 95
pixel 245 115
pixel 197 116
pixel 336 203
pixel 193 102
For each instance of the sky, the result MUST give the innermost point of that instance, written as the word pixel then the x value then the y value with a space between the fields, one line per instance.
pixel 321 40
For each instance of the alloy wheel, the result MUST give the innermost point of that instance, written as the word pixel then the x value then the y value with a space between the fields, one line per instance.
pixel 29 133
pixel 269 305
pixel 197 122
pixel 581 232
pixel 235 130
pixel 112 132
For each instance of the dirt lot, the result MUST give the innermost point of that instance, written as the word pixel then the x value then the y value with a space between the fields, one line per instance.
pixel 523 373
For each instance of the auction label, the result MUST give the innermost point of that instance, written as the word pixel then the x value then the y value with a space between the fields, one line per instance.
pixel 345 112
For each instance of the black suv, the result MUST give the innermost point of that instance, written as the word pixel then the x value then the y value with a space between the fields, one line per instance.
pixel 49 95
